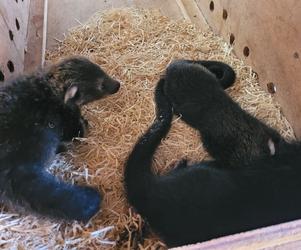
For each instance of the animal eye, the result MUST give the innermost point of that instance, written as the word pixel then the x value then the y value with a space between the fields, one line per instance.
pixel 100 86
pixel 51 125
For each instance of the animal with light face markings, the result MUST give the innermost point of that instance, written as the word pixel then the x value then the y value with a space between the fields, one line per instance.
pixel 37 113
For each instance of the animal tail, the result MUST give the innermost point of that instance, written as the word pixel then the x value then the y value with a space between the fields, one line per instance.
pixel 138 175
pixel 222 71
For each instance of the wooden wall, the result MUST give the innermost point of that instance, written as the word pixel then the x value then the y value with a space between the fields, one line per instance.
pixel 64 14
pixel 13 31
pixel 36 35
pixel 266 35
pixel 21 43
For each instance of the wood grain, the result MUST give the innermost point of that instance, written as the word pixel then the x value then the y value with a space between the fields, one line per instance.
pixel 35 33
pixel 8 52
pixel 282 236
pixel 64 14
pixel 191 12
pixel 13 32
pixel 13 11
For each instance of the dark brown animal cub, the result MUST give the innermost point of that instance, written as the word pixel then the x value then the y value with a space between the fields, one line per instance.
pixel 37 113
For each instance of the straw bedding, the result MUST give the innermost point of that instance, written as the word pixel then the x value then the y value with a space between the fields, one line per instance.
pixel 134 46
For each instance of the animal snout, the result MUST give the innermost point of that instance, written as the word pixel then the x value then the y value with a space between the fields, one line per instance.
pixel 113 87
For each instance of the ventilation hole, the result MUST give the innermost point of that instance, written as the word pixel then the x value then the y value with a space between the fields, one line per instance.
pixel 17 24
pixel 1 76
pixel 11 35
pixel 271 88
pixel 246 51
pixel 211 6
pixel 296 55
pixel 232 38
pixel 225 14
pixel 16 1
pixel 10 66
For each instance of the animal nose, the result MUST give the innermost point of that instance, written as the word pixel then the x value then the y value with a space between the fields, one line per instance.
pixel 115 87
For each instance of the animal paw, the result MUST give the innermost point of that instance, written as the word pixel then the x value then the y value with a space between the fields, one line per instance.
pixel 82 204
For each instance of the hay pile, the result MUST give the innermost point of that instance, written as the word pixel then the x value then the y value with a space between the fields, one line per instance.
pixel 134 46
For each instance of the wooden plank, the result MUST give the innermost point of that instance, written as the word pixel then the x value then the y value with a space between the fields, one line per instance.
pixel 64 14
pixel 191 12
pixel 11 62
pixel 267 37
pixel 282 236
pixel 15 15
pixel 167 7
pixel 35 35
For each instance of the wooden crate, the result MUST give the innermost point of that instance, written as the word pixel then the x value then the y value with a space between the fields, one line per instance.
pixel 265 34
pixel 21 35
pixel 13 27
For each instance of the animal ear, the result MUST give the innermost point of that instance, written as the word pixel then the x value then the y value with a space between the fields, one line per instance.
pixel 271 146
pixel 70 93
pixel 217 71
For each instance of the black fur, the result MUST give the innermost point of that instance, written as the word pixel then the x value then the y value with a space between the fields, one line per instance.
pixel 229 134
pixel 223 72
pixel 37 113
pixel 204 200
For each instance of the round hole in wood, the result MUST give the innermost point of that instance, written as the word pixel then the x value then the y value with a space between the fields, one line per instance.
pixel 246 51
pixel 225 14
pixel 296 55
pixel 17 24
pixel 11 35
pixel 271 88
pixel 211 6
pixel 10 66
pixel 232 38
pixel 1 76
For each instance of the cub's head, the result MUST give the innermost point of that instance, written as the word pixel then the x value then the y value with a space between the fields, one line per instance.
pixel 83 81
pixel 187 82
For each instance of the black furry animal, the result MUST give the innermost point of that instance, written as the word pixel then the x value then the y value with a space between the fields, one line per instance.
pixel 229 133
pixel 222 71
pixel 37 113
pixel 205 200
pixel 81 81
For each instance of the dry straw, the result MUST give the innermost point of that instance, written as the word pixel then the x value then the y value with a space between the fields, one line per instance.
pixel 134 46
